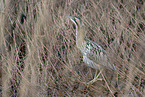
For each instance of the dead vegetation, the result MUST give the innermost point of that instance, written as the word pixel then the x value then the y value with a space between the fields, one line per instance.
pixel 38 55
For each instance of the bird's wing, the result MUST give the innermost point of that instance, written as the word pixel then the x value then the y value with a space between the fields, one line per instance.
pixel 97 54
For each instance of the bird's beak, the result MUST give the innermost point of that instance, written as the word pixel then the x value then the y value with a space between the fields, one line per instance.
pixel 70 17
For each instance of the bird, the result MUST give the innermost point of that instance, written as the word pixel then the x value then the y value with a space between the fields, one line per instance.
pixel 93 54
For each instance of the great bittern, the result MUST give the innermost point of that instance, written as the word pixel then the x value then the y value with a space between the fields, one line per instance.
pixel 93 54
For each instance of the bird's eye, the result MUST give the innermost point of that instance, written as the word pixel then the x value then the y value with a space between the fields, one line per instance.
pixel 77 21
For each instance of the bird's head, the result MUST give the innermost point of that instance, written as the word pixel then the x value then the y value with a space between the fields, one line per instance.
pixel 76 21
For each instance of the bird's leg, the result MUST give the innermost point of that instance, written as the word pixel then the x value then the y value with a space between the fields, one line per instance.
pixel 96 77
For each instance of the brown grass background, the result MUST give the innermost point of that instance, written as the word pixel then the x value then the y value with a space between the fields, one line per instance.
pixel 39 57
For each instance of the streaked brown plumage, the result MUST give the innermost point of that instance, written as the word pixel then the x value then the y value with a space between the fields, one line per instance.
pixel 93 54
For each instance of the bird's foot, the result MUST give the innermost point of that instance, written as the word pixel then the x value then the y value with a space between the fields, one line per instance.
pixel 96 78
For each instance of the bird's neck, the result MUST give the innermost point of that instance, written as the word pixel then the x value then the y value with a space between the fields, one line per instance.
pixel 80 38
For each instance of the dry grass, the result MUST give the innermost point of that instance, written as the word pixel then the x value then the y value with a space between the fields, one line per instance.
pixel 41 58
